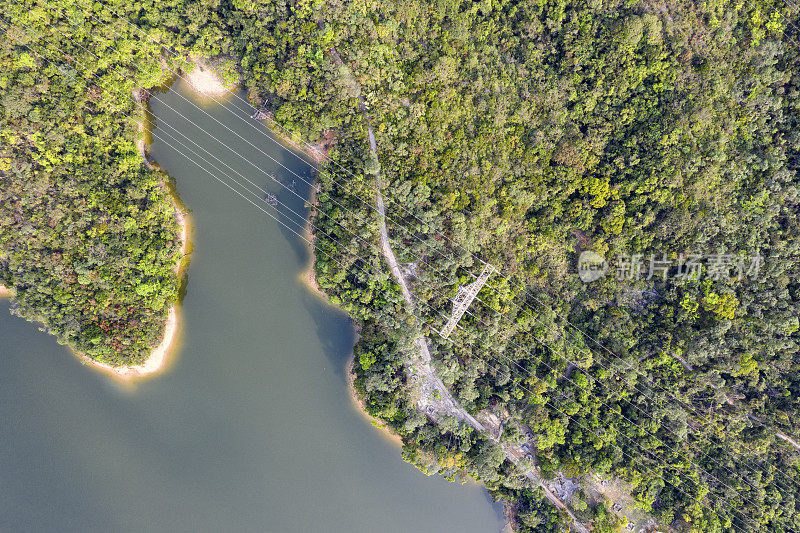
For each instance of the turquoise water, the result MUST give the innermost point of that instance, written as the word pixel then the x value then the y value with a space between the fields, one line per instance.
pixel 252 428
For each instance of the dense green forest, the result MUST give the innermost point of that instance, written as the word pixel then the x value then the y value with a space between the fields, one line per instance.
pixel 520 133
pixel 88 233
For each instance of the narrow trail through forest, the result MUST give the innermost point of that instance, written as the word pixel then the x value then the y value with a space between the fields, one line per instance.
pixel 432 396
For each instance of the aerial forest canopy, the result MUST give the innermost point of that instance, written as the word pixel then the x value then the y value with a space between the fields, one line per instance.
pixel 663 137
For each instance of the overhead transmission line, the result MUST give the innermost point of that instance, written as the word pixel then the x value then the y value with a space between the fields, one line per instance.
pixel 260 207
pixel 558 333
pixel 526 291
pixel 470 313
pixel 287 206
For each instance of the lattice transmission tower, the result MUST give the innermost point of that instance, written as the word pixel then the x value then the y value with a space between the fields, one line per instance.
pixel 465 295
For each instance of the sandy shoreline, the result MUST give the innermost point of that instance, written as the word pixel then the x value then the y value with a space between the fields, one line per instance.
pixel 204 81
pixel 309 278
pixel 159 357
pixel 157 360
pixel 317 152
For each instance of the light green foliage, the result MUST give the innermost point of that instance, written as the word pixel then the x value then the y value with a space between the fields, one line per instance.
pixel 88 237
pixel 524 132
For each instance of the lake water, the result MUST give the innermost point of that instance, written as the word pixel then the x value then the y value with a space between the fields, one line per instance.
pixel 252 428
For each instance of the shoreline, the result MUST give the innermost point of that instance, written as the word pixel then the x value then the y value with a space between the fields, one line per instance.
pixel 358 403
pixel 155 362
pixel 162 356
pixel 204 81
pixel 308 277
pixel 316 151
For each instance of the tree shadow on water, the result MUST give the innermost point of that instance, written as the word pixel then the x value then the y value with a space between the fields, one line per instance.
pixel 334 330
pixel 292 194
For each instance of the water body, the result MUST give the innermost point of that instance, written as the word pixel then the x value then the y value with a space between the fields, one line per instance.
pixel 252 428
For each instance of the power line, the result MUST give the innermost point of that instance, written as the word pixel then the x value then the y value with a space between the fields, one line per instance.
pixel 261 208
pixel 560 333
pixel 526 291
pixel 234 180
pixel 345 228
pixel 544 344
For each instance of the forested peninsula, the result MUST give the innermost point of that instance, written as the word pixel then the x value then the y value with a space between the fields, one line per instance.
pixel 663 138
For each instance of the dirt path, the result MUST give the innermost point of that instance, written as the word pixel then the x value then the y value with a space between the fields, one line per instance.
pixel 432 397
